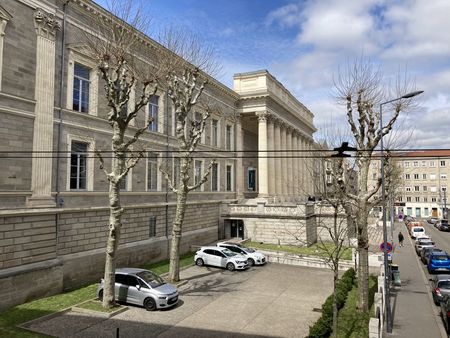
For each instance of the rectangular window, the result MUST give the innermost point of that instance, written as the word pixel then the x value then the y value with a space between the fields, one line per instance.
pixel 416 176
pixel 153 107
pixel 416 164
pixel 215 177
pixel 123 183
pixel 229 176
pixel 424 163
pixel 426 212
pixel 433 189
pixel 432 164
pixel 417 199
pixel 228 138
pixel 80 100
pixel 424 176
pixel 443 188
pixel 416 188
pixel 152 226
pixel 425 188
pixel 443 176
pixel 408 188
pixel 406 164
pixel 198 173
pixel 425 199
pixel 442 163
pixel 408 199
pixel 176 171
pixel 407 176
pixel 78 165
pixel 433 199
pixel 152 171
pixel 214 133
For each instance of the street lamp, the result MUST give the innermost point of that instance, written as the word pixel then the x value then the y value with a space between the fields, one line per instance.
pixel 387 293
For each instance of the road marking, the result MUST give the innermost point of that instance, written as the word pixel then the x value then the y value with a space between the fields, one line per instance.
pixel 430 298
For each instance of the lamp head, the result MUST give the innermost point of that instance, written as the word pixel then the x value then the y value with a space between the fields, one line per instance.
pixel 412 94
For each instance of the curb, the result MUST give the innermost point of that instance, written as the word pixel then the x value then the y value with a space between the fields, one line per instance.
pixel 100 314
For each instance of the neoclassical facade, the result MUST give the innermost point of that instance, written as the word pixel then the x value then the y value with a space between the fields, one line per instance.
pixel 54 196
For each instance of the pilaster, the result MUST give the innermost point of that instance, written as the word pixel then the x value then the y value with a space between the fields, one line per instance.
pixel 240 184
pixel 271 154
pixel 284 170
pixel 41 175
pixel 295 165
pixel 278 167
pixel 290 174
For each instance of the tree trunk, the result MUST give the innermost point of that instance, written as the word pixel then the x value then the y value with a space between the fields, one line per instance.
pixel 174 269
pixel 115 224
pixel 335 309
pixel 363 255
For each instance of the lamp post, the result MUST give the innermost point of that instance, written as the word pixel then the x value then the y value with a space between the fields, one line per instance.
pixel 387 293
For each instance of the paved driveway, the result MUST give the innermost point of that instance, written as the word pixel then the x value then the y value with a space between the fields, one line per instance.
pixel 270 301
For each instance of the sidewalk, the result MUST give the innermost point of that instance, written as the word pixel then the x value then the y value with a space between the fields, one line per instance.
pixel 414 313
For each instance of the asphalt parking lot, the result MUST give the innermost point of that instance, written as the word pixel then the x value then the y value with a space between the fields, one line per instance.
pixel 269 301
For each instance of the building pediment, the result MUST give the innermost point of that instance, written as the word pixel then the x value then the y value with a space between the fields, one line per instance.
pixel 4 14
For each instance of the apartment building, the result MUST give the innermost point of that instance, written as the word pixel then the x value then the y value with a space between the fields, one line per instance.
pixel 425 178
pixel 53 195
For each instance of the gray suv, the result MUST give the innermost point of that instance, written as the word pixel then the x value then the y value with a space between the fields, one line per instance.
pixel 142 287
pixel 440 286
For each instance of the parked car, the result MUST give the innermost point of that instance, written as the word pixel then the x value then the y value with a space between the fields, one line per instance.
pixel 253 257
pixel 438 262
pixel 220 257
pixel 445 312
pixel 423 243
pixel 432 220
pixel 426 252
pixel 440 286
pixel 409 219
pixel 142 287
pixel 443 225
pixel 417 232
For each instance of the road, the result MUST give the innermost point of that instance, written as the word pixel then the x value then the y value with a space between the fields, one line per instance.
pixel 415 314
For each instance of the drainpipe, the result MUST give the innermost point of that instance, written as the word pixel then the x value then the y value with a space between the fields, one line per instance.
pixel 167 187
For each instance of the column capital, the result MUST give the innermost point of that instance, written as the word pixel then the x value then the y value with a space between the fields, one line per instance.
pixel 262 116
pixel 46 24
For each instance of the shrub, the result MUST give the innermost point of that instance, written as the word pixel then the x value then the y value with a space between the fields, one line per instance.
pixel 322 328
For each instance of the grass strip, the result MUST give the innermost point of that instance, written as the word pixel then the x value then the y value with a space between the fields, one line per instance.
pixel 45 306
pixel 313 250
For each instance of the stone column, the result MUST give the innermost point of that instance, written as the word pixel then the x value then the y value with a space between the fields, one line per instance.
pixel 263 179
pixel 284 171
pixel 240 184
pixel 295 161
pixel 41 174
pixel 271 160
pixel 289 163
pixel 303 168
pixel 278 167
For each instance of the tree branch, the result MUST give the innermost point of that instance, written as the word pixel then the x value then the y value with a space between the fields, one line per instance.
pixel 168 180
pixel 204 178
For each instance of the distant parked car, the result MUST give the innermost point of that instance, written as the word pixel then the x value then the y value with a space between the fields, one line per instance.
pixel 438 262
pixel 142 287
pixel 253 257
pixel 443 225
pixel 423 243
pixel 440 286
pixel 432 220
pixel 445 312
pixel 220 257
pixel 426 252
pixel 417 232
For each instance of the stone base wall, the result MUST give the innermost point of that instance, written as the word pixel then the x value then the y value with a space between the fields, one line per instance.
pixel 43 252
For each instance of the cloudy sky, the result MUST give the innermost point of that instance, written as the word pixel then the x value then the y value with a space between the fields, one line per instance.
pixel 303 44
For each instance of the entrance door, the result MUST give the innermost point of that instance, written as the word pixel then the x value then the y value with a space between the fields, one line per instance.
pixel 418 214
pixel 237 229
pixel 434 212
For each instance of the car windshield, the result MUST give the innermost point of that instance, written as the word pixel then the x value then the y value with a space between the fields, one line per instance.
pixel 445 284
pixel 440 258
pixel 248 250
pixel 229 253
pixel 151 278
pixel 418 230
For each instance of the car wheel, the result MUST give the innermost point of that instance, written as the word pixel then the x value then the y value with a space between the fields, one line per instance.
pixel 251 262
pixel 100 295
pixel 230 267
pixel 199 262
pixel 149 304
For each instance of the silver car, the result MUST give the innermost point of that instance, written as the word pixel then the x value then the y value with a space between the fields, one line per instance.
pixel 142 287
pixel 440 286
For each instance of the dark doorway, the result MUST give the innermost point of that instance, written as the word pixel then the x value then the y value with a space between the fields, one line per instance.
pixel 251 179
pixel 237 228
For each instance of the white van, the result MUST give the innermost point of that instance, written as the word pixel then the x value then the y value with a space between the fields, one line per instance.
pixel 417 232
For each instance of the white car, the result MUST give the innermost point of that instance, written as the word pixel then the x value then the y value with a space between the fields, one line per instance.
pixel 220 257
pixel 253 257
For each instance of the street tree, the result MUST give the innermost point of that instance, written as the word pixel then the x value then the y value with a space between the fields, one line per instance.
pixel 361 88
pixel 186 64
pixel 113 48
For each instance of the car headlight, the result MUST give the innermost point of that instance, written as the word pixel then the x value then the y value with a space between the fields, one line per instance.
pixel 162 297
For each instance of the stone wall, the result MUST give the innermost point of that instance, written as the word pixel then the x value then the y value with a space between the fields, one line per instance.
pixel 64 248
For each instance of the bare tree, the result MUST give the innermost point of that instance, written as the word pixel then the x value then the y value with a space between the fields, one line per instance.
pixel 185 83
pixel 113 48
pixel 361 88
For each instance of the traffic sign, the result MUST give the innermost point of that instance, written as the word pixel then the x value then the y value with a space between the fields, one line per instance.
pixel 388 247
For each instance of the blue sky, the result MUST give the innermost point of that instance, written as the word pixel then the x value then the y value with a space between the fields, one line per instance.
pixel 303 43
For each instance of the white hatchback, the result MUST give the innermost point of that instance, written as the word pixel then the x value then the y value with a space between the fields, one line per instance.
pixel 220 257
pixel 253 257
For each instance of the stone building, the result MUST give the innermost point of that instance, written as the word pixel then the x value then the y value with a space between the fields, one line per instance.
pixel 424 180
pixel 53 196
